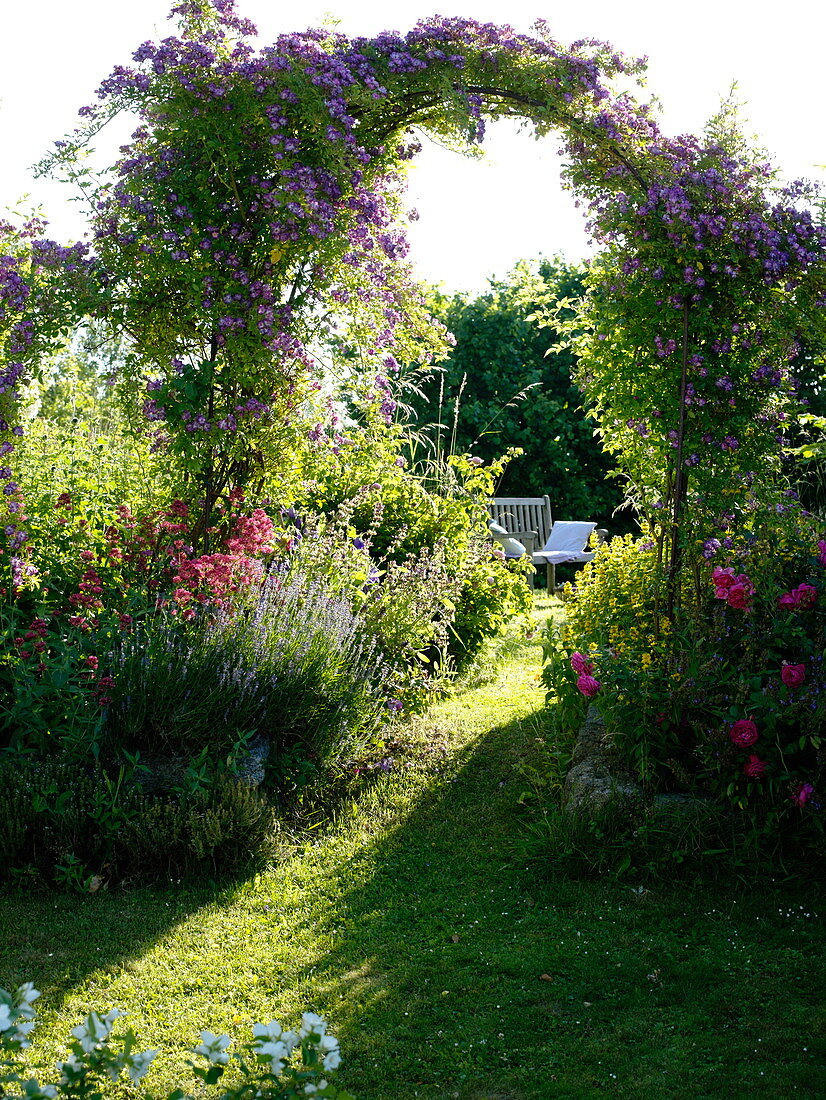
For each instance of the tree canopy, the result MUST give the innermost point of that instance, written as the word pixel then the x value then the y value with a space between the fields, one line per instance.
pixel 507 382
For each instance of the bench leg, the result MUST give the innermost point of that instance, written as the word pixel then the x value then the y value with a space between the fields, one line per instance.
pixel 551 578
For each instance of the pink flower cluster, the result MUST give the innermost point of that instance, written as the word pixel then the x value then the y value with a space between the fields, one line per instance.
pixel 585 682
pixel 800 598
pixel 252 535
pixel 211 577
pixel 743 734
pixel 736 589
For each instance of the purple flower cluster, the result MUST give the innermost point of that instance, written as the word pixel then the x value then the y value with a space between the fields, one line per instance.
pixel 251 170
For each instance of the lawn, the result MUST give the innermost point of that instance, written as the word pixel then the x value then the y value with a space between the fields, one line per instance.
pixel 447 966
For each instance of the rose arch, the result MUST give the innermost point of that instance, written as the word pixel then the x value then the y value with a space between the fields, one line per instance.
pixel 259 201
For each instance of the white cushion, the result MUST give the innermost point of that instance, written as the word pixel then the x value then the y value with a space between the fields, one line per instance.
pixel 566 542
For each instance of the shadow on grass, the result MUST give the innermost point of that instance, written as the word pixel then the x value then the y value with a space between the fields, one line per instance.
pixel 447 968
pixel 454 972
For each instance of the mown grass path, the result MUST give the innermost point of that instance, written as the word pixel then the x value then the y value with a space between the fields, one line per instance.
pixel 447 967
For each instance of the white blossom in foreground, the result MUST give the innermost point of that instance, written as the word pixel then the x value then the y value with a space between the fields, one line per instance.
pixel 214 1047
pixel 95 1029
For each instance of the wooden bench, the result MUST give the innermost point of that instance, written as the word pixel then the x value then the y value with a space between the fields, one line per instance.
pixel 527 519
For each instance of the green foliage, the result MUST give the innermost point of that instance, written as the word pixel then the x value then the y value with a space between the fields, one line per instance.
pixel 76 385
pixel 507 383
pixel 80 825
pixel 443 585
pixel 648 842
pixel 74 478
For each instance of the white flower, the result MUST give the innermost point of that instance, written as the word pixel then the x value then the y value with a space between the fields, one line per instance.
pixel 214 1047
pixel 96 1029
pixel 312 1024
pixel 310 1090
pixel 138 1064
pixel 12 1029
pixel 28 994
pixel 328 1045
pixel 70 1069
pixel 270 1031
pixel 277 1053
pixel 332 1059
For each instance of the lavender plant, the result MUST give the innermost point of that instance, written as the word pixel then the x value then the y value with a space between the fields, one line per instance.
pixel 289 661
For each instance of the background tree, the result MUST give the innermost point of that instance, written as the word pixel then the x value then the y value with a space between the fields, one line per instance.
pixel 507 383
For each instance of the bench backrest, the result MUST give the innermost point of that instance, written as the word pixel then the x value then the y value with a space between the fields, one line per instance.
pixel 522 515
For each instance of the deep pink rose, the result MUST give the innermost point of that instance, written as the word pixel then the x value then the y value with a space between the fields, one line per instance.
pixel 581 664
pixel 740 594
pixel 793 675
pixel 754 767
pixel 743 733
pixel 800 598
pixel 588 685
pixel 821 557
pixel 803 793
pixel 723 580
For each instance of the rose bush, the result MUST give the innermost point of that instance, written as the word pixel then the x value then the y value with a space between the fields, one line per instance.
pixel 728 699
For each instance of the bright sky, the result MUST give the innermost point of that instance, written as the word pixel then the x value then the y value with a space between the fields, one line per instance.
pixel 476 218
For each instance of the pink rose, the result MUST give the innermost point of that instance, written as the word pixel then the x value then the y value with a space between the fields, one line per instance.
pixel 743 733
pixel 802 794
pixel 793 675
pixel 588 685
pixel 736 589
pixel 821 557
pixel 581 664
pixel 800 598
pixel 740 594
pixel 754 767
pixel 723 580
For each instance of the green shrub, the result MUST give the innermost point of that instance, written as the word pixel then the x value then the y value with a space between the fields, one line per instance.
pixel 411 519
pixel 75 825
pixel 728 698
